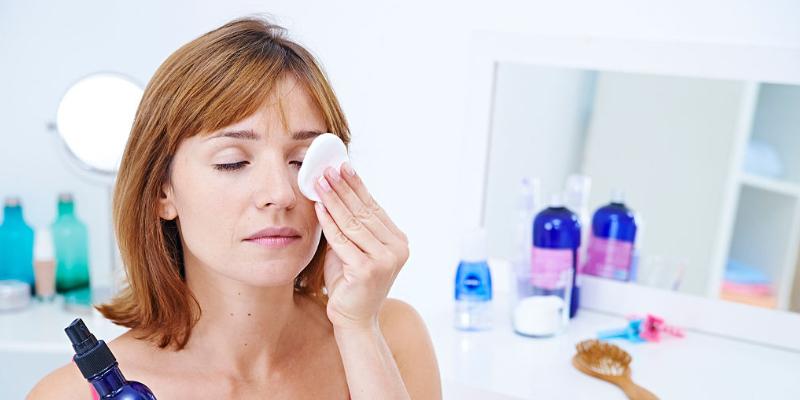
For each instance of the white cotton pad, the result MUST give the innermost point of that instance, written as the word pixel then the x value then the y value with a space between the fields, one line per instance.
pixel 327 150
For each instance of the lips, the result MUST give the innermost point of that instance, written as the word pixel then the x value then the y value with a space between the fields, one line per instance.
pixel 275 233
pixel 274 237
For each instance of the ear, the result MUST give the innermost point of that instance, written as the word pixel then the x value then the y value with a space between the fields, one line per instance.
pixel 166 204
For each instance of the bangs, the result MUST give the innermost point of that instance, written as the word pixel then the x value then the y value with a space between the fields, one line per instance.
pixel 232 85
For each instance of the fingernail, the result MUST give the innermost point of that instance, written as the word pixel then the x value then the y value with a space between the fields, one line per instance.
pixel 349 169
pixel 324 183
pixel 334 173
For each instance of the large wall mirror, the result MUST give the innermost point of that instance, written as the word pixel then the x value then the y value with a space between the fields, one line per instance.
pixel 711 168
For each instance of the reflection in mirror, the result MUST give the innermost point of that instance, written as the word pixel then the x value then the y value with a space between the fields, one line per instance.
pixel 709 169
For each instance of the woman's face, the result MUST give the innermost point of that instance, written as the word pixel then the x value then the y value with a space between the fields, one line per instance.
pixel 229 185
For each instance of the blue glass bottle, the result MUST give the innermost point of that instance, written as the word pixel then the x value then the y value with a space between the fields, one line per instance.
pixel 16 244
pixel 556 240
pixel 473 285
pixel 72 253
pixel 99 366
pixel 611 245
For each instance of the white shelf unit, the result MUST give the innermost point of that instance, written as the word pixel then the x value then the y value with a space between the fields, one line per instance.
pixel 766 231
pixel 771 184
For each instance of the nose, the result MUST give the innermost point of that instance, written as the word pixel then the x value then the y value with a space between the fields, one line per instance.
pixel 274 184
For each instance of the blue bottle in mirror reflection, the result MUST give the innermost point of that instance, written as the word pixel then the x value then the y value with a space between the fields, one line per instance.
pixel 611 244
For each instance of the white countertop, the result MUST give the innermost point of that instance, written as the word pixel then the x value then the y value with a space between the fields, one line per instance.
pixel 498 364
pixel 40 328
pixel 698 366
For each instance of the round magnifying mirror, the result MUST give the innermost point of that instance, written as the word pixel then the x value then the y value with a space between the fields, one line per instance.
pixel 95 117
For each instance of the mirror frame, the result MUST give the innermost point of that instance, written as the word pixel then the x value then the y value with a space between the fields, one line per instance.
pixel 748 63
pixel 73 158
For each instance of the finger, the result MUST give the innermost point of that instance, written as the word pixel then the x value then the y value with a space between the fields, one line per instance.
pixel 346 222
pixel 365 214
pixel 355 182
pixel 345 249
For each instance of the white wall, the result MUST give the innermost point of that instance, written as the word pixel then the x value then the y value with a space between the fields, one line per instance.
pixel 398 67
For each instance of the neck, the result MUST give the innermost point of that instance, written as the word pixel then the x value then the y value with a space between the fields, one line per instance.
pixel 242 330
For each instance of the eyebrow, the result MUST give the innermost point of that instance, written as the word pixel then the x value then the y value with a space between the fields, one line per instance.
pixel 306 134
pixel 248 134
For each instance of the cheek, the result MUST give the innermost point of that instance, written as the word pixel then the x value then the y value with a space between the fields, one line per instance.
pixel 306 216
pixel 309 215
pixel 207 215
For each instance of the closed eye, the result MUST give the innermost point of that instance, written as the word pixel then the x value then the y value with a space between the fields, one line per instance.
pixel 238 165
pixel 231 166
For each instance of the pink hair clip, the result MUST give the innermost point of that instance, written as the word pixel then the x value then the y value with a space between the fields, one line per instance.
pixel 653 326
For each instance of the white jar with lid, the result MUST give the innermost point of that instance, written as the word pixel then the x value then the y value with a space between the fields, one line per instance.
pixel 14 295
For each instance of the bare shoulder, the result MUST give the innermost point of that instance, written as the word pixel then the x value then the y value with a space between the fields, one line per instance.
pixel 400 321
pixel 63 383
pixel 408 339
pixel 67 382
pixel 404 331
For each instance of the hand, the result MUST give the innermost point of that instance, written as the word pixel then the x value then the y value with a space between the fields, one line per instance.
pixel 366 249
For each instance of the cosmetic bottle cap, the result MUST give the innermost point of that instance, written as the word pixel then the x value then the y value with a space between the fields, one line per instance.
pixel 473 246
pixel 529 192
pixel 576 191
pixel 617 196
pixel 556 200
pixel 13 201
pixel 92 356
pixel 43 245
pixel 65 197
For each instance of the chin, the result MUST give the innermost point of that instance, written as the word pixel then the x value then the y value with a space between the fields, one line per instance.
pixel 270 273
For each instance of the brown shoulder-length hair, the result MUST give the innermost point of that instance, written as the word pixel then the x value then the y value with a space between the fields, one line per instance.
pixel 211 82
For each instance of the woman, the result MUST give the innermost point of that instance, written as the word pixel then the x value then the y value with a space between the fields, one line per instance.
pixel 240 287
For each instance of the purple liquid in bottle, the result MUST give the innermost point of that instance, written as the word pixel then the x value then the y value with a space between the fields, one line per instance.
pixel 100 368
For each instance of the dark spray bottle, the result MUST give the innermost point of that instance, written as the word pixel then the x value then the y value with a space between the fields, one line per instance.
pixel 100 367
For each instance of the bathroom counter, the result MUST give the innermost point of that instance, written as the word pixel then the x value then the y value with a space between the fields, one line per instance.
pixel 490 365
pixel 33 343
pixel 503 365
pixel 43 326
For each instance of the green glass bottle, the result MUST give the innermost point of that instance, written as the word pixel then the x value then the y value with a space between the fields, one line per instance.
pixel 16 244
pixel 72 253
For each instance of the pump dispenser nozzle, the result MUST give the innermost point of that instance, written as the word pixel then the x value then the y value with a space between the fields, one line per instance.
pixel 99 366
pixel 92 356
pixel 82 340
